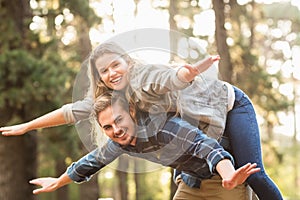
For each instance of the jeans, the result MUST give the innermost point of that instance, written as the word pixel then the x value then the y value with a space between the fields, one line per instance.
pixel 243 132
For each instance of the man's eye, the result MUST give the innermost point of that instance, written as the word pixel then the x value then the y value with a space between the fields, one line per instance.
pixel 107 128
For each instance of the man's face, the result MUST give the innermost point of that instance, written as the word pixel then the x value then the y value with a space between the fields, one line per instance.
pixel 117 124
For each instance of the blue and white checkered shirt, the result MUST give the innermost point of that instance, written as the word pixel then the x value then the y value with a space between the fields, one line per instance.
pixel 176 144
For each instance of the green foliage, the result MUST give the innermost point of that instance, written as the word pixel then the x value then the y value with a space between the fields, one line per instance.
pixel 27 79
pixel 81 8
pixel 288 167
pixel 278 11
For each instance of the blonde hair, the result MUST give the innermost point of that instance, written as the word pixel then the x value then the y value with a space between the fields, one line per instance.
pixel 97 86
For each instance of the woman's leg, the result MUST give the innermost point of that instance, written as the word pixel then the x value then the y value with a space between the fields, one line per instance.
pixel 242 130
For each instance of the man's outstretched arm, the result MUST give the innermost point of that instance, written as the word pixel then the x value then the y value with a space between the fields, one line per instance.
pixel 49 184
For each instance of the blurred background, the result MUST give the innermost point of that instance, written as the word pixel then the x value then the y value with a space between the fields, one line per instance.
pixel 43 44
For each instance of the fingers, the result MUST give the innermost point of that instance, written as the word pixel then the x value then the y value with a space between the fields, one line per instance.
pixel 215 58
pixel 38 191
pixel 252 168
pixel 47 184
pixel 249 169
pixel 4 130
pixel 13 130
pixel 240 176
pixel 6 133
pixel 39 183
pixel 189 67
pixel 36 182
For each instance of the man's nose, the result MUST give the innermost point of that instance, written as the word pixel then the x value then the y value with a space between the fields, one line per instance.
pixel 115 128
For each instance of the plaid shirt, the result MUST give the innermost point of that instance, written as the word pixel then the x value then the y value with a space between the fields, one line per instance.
pixel 176 144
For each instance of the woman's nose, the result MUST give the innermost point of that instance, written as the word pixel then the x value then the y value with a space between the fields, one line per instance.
pixel 111 71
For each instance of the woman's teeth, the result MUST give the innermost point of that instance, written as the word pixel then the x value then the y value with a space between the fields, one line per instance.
pixel 116 80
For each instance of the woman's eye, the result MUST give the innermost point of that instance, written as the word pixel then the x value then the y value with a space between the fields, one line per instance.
pixel 116 65
pixel 118 120
pixel 103 71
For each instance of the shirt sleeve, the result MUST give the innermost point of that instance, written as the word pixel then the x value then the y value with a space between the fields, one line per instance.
pixel 78 110
pixel 210 150
pixel 155 79
pixel 87 166
pixel 196 143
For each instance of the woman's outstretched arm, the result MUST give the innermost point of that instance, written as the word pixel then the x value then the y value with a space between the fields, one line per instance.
pixel 51 119
pixel 188 72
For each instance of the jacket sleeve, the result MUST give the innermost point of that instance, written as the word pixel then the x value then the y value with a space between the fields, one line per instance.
pixel 78 110
pixel 155 79
pixel 87 166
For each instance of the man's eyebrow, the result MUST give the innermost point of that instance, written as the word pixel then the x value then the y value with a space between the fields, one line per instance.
pixel 115 120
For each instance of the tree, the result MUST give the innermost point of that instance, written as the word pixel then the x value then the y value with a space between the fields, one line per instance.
pixel 225 65
pixel 35 80
pixel 18 169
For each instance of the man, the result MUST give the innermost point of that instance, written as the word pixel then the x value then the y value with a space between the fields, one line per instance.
pixel 177 144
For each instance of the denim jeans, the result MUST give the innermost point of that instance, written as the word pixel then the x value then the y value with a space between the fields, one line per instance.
pixel 243 132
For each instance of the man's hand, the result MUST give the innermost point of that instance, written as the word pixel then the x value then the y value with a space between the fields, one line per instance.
pixel 240 176
pixel 48 184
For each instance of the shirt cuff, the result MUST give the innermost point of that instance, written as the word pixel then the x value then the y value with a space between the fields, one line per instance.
pixel 68 114
pixel 215 157
pixel 76 177
pixel 179 83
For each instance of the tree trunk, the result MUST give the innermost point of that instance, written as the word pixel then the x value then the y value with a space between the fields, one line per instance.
pixel 294 138
pixel 225 65
pixel 17 154
pixel 173 10
pixel 18 167
pixel 122 178
pixel 141 185
pixel 85 45
pixel 62 193
pixel 89 190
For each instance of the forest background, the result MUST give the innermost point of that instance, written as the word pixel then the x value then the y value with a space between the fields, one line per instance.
pixel 43 44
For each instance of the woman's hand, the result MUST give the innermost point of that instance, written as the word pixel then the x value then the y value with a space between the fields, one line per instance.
pixel 14 130
pixel 204 64
pixel 188 72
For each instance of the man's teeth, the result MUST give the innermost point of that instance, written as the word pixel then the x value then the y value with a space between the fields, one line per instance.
pixel 123 132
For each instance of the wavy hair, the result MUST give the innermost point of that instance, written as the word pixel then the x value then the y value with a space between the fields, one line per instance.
pixel 97 86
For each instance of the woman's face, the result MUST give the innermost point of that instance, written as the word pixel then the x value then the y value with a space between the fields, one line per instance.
pixel 113 69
